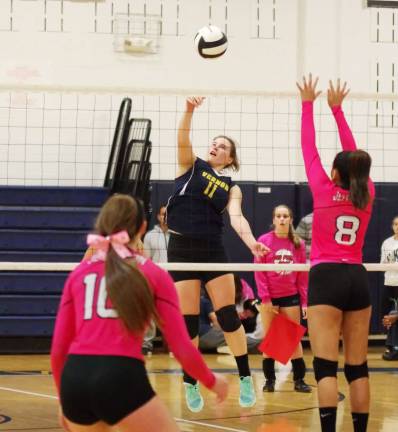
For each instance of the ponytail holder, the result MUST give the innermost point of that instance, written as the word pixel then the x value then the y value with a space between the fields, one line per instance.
pixel 100 244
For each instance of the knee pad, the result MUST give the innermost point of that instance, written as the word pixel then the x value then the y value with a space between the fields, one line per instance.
pixel 192 324
pixel 324 368
pixel 354 372
pixel 228 318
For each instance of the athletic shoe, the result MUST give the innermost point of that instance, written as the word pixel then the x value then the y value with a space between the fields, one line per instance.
pixel 301 387
pixel 247 396
pixel 224 349
pixel 193 397
pixel 269 386
pixel 391 354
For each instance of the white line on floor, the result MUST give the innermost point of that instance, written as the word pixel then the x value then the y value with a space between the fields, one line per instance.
pixel 28 393
pixel 176 419
pixel 209 425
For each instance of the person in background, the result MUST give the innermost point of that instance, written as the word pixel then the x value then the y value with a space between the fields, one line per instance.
pixel 210 334
pixel 304 231
pixel 248 314
pixel 157 239
pixel 155 247
pixel 283 291
pixel 389 255
pixel 105 308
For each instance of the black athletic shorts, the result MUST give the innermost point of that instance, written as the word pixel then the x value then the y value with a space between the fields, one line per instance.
pixel 107 388
pixel 196 250
pixel 344 286
pixel 288 301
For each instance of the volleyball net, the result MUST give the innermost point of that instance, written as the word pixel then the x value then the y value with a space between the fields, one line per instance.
pixel 202 267
pixel 63 136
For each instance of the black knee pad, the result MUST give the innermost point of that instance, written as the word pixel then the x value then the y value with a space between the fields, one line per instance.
pixel 324 368
pixel 354 372
pixel 192 323
pixel 228 318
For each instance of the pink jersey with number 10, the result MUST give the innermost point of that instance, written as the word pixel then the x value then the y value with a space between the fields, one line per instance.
pixel 338 228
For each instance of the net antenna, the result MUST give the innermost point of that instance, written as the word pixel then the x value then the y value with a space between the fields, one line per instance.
pixel 136 34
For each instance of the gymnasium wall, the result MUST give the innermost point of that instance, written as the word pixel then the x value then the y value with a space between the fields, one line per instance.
pixel 62 77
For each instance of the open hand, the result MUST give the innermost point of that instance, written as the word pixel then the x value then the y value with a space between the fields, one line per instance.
pixel 220 387
pixel 337 95
pixel 389 320
pixel 308 90
pixel 194 102
pixel 259 249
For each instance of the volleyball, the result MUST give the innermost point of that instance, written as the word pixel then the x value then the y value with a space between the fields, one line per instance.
pixel 211 42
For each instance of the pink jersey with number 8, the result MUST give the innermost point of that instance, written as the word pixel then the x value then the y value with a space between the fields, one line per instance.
pixel 338 229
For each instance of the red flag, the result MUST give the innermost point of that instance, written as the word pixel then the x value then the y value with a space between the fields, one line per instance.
pixel 282 338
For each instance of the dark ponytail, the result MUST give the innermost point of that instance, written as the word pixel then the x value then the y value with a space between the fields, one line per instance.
pixel 354 168
pixel 359 169
pixel 126 286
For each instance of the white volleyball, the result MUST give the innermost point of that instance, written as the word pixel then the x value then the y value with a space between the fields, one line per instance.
pixel 211 42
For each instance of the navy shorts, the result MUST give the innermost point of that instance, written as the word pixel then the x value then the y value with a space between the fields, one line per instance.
pixel 288 301
pixel 196 250
pixel 103 388
pixel 344 286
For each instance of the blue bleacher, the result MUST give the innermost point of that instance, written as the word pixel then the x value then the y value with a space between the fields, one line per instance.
pixel 40 224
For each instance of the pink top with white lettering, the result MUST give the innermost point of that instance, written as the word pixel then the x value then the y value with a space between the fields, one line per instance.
pixel 284 283
pixel 338 229
pixel 87 324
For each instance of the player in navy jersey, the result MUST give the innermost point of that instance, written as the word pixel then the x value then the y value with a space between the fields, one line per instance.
pixel 201 195
pixel 338 291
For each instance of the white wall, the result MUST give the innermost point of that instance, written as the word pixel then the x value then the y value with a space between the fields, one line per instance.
pixel 57 137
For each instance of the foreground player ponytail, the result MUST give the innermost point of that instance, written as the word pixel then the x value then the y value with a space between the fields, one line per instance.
pixel 359 163
pixel 127 287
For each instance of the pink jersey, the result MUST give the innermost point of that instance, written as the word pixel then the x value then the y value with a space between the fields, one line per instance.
pixel 338 228
pixel 87 324
pixel 281 283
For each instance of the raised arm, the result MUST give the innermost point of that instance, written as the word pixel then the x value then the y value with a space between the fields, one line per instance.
pixel 186 156
pixel 336 96
pixel 240 224
pixel 313 167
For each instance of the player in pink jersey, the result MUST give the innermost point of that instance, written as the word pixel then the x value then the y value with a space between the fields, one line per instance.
pixel 338 291
pixel 283 291
pixel 96 355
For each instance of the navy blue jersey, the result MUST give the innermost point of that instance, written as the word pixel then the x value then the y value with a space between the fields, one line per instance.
pixel 199 199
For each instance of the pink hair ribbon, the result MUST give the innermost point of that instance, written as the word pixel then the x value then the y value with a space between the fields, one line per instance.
pixel 101 244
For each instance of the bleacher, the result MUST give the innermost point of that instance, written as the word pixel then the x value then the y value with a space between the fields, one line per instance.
pixel 50 225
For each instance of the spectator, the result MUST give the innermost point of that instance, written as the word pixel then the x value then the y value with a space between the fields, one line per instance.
pixel 210 334
pixel 304 231
pixel 389 255
pixel 155 247
pixel 390 321
pixel 157 239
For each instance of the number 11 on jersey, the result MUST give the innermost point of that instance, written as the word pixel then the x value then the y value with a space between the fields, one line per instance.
pixel 209 191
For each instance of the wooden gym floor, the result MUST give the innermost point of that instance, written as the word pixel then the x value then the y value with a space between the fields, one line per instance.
pixel 28 401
